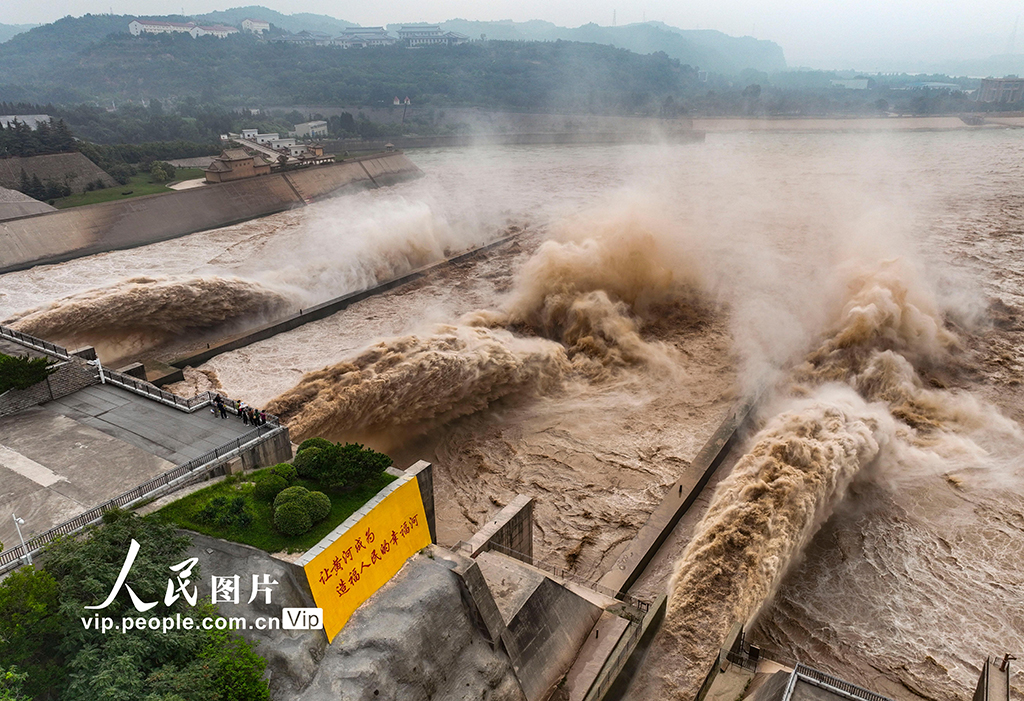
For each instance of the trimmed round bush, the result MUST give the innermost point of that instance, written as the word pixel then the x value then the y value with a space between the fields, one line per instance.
pixel 314 443
pixel 289 495
pixel 291 519
pixel 269 486
pixel 285 471
pixel 317 505
pixel 307 462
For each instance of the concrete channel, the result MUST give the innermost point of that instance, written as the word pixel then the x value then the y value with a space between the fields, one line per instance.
pixel 172 372
pixel 618 668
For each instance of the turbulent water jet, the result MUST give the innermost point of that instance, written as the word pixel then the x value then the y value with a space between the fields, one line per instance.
pixel 762 514
pixel 143 311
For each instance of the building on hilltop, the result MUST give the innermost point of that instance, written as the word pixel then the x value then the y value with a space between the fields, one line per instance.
pixel 235 164
pixel 137 27
pixel 218 30
pixel 852 84
pixel 32 120
pixel 311 129
pixel 144 26
pixel 363 37
pixel 413 35
pixel 306 38
pixel 1006 90
pixel 255 26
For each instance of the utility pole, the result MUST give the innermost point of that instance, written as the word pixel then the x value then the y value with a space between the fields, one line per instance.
pixel 18 523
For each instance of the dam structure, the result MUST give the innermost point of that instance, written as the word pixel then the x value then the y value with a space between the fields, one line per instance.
pixel 53 237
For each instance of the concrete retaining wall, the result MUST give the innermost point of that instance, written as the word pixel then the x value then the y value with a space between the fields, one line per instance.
pixel 509 533
pixel 81 231
pixel 520 139
pixel 544 636
pixel 274 450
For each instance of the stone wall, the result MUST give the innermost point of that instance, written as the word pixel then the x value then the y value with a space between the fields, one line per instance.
pixel 69 377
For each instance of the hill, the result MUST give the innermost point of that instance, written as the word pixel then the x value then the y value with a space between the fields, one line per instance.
pixel 289 23
pixel 9 30
pixel 708 49
pixel 241 69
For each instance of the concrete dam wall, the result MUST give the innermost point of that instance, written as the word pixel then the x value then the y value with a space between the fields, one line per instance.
pixel 82 231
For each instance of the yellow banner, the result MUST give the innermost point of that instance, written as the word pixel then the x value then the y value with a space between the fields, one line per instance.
pixel 367 555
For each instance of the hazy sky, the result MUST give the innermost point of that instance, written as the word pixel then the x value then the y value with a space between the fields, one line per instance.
pixel 865 34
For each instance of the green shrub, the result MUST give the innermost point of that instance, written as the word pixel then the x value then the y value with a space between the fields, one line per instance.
pixel 352 466
pixel 307 462
pixel 269 486
pixel 224 512
pixel 285 470
pixel 21 371
pixel 317 505
pixel 291 518
pixel 288 495
pixel 314 443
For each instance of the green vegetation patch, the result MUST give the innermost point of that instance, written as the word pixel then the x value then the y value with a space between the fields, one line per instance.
pixel 137 186
pixel 47 653
pixel 21 371
pixel 261 533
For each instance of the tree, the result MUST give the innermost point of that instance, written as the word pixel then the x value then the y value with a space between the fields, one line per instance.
pixel 11 682
pixel 30 628
pixel 43 611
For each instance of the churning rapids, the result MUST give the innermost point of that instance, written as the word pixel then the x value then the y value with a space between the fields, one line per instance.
pixel 873 525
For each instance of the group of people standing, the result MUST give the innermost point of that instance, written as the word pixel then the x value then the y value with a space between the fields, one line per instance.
pixel 248 414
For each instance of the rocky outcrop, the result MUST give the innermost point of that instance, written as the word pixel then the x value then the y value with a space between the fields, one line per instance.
pixel 413 640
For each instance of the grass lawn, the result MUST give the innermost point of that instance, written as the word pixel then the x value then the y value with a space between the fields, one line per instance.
pixel 261 532
pixel 138 186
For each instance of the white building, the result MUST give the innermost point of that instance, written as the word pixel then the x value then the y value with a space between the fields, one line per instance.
pixel 429 35
pixel 255 26
pixel 141 26
pixel 311 129
pixel 853 84
pixel 266 138
pixel 250 133
pixel 32 120
pixel 218 30
pixel 282 143
pixel 145 26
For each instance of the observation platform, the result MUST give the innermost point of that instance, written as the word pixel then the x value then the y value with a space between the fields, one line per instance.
pixel 74 453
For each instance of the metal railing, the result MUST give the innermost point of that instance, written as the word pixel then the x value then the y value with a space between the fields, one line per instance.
pixel 178 477
pixel 635 602
pixel 813 676
pixel 34 343
pixel 119 379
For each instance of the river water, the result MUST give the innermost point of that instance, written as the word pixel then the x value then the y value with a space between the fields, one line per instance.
pixel 585 363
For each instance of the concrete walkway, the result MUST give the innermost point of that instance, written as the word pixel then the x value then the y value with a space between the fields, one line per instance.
pixel 156 428
pixel 69 455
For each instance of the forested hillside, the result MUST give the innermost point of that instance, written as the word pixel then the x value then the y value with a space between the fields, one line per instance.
pixel 243 70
